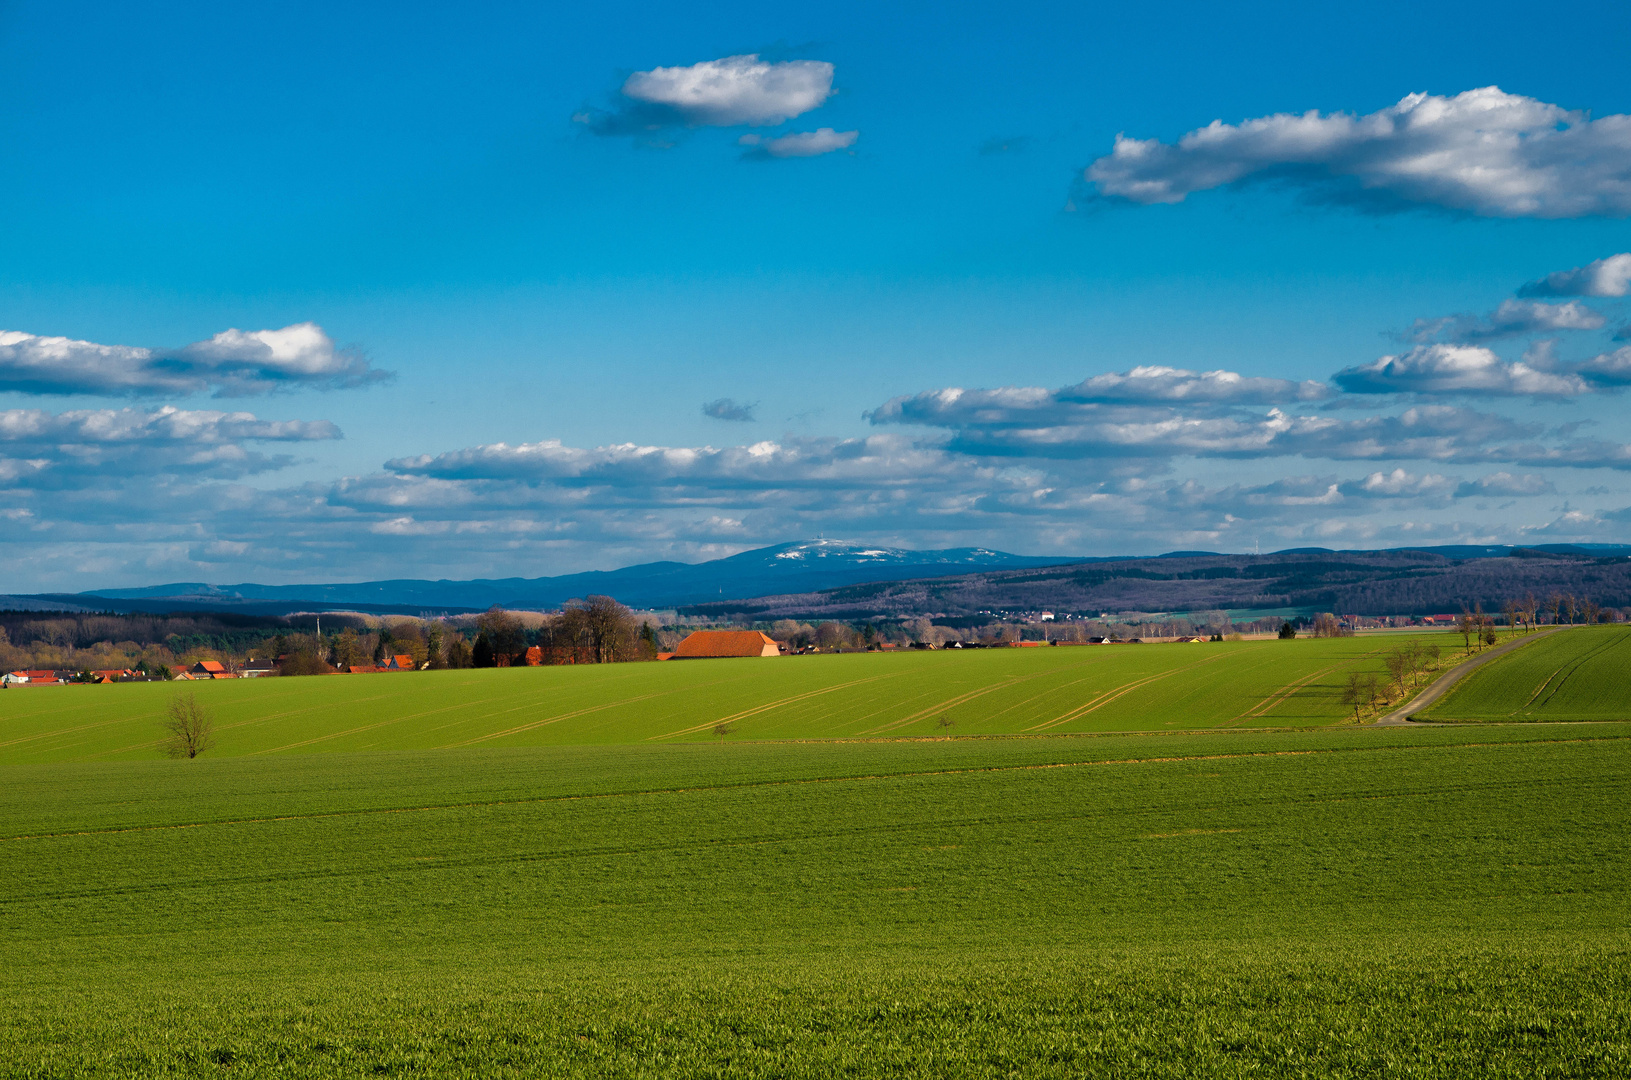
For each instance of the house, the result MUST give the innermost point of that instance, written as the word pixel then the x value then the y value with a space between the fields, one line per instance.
pixel 707 644
pixel 13 678
pixel 254 669
pixel 208 669
pixel 402 662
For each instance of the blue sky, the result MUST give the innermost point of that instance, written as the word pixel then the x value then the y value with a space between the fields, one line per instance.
pixel 510 255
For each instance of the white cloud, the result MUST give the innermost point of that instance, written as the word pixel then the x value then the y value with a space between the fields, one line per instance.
pixel 1032 423
pixel 1610 369
pixel 880 461
pixel 1111 397
pixel 1504 484
pixel 1604 277
pixel 1483 151
pixel 232 363
pixel 731 91
pixel 800 143
pixel 90 447
pixel 1400 484
pixel 1151 384
pixel 1456 369
pixel 1512 319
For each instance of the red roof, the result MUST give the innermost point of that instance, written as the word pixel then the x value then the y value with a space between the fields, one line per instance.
pixel 210 666
pixel 711 643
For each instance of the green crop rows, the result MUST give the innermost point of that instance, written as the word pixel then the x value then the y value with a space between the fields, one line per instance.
pixel 1578 674
pixel 1003 691
pixel 567 872
pixel 1346 903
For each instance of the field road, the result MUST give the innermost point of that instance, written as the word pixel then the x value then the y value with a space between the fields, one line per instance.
pixel 1440 685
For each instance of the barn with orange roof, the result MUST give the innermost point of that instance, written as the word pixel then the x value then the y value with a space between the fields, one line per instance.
pixel 711 644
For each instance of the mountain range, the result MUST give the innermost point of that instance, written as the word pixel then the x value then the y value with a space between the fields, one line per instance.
pixel 840 578
pixel 796 567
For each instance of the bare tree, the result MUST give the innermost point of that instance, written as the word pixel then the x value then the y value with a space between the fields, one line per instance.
pixel 1398 666
pixel 1468 625
pixel 1355 693
pixel 1363 689
pixel 191 728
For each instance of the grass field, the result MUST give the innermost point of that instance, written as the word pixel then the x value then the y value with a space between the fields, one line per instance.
pixel 1342 903
pixel 1002 691
pixel 1582 673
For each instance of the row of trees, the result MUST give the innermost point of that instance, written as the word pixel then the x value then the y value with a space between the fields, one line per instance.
pixel 1406 667
pixel 1562 608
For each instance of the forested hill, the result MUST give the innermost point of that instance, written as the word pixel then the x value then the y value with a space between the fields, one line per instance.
pixel 1348 582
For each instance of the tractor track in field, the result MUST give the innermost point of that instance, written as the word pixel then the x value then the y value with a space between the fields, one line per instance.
pixel 1442 685
pixel 1093 704
pixel 769 705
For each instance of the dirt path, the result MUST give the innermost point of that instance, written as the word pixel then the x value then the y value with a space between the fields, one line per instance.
pixel 1439 686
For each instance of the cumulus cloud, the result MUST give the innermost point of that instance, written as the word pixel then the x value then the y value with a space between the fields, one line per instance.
pixel 1111 397
pixel 233 363
pixel 799 143
pixel 1505 484
pixel 879 461
pixel 726 409
pixel 1399 484
pixel 731 91
pixel 1483 152
pixel 1512 319
pixel 1457 369
pixel 87 447
pixel 1604 277
pixel 1154 384
pixel 1610 370
pixel 549 507
pixel 1033 423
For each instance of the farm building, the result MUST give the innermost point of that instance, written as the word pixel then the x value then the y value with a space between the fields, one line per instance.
pixel 705 644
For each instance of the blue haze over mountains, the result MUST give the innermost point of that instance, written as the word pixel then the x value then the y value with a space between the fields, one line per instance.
pixel 783 570
pixel 802 566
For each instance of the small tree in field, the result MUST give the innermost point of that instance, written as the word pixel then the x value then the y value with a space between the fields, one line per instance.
pixel 1362 690
pixel 1354 693
pixel 191 728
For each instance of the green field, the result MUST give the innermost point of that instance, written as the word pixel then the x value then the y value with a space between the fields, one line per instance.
pixel 867 695
pixel 1343 903
pixel 1583 673
pixel 565 872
